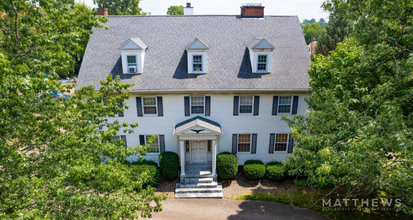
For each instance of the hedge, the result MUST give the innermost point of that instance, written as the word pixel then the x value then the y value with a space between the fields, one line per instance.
pixel 169 165
pixel 276 172
pixel 274 163
pixel 145 162
pixel 253 162
pixel 226 153
pixel 153 175
pixel 254 171
pixel 227 165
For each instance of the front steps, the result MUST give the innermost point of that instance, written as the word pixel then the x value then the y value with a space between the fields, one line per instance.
pixel 192 188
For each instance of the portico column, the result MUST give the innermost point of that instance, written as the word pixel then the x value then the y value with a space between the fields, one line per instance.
pixel 214 156
pixel 182 157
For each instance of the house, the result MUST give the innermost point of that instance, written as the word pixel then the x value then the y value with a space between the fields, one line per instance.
pixel 311 46
pixel 205 83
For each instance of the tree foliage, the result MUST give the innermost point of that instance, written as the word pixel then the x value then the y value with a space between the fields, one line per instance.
pixel 53 153
pixel 359 133
pixel 336 31
pixel 312 30
pixel 120 7
pixel 175 10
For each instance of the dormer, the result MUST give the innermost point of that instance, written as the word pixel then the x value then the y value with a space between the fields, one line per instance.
pixel 133 56
pixel 197 57
pixel 261 52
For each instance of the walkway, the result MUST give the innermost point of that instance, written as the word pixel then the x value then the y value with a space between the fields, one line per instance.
pixel 231 209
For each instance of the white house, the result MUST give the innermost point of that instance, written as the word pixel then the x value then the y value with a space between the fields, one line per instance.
pixel 205 84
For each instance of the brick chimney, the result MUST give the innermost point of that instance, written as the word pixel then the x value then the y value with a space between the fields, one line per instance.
pixel 103 12
pixel 188 10
pixel 252 10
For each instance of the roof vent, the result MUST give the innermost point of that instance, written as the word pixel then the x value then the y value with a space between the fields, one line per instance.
pixel 252 10
pixel 188 10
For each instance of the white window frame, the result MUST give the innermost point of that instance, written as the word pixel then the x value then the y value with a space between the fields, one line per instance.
pixel 275 142
pixel 291 105
pixel 244 152
pixel 136 64
pixel 202 64
pixel 148 136
pixel 239 105
pixel 266 63
pixel 190 105
pixel 156 106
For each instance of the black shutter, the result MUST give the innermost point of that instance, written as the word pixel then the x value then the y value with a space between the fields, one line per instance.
pixel 295 105
pixel 256 105
pixel 139 106
pixel 120 105
pixel 274 105
pixel 160 105
pixel 290 144
pixel 236 104
pixel 254 144
pixel 234 143
pixel 123 137
pixel 187 111
pixel 162 143
pixel 271 147
pixel 142 139
pixel 207 105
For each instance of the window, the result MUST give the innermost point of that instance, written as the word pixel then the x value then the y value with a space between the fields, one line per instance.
pixel 262 63
pixel 281 142
pixel 154 146
pixel 284 104
pixel 197 105
pixel 209 145
pixel 120 105
pixel 245 104
pixel 122 137
pixel 149 105
pixel 244 142
pixel 187 146
pixel 132 64
pixel 197 63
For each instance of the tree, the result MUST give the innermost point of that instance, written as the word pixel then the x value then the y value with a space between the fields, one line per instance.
pixel 175 10
pixel 322 22
pixel 336 31
pixel 359 133
pixel 313 30
pixel 59 159
pixel 121 7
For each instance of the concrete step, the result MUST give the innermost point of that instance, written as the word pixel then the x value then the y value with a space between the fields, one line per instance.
pixel 198 185
pixel 205 195
pixel 198 180
pixel 198 190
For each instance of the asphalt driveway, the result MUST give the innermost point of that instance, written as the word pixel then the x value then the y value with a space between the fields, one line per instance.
pixel 231 209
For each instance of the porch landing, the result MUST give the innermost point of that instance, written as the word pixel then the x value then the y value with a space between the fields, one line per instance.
pixel 198 170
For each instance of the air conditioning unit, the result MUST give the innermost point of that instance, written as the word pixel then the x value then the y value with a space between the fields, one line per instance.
pixel 132 69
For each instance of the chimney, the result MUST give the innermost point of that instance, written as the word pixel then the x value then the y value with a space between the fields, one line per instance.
pixel 252 10
pixel 188 10
pixel 103 12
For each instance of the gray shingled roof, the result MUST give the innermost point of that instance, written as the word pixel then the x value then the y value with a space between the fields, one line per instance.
pixel 229 68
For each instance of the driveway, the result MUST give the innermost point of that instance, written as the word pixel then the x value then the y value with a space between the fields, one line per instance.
pixel 230 209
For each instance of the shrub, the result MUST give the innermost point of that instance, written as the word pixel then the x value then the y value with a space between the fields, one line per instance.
pixel 226 153
pixel 153 176
pixel 276 172
pixel 274 163
pixel 253 162
pixel 254 171
pixel 145 162
pixel 227 165
pixel 169 165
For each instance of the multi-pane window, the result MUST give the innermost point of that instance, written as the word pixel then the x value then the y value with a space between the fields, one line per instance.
pixel 155 144
pixel 149 105
pixel 281 142
pixel 209 145
pixel 132 64
pixel 197 63
pixel 122 137
pixel 197 105
pixel 262 63
pixel 244 142
pixel 187 146
pixel 245 104
pixel 284 104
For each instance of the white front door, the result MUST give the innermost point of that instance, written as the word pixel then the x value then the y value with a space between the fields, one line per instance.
pixel 199 152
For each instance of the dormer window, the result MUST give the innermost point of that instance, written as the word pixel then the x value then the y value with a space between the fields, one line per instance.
pixel 133 56
pixel 197 57
pixel 261 52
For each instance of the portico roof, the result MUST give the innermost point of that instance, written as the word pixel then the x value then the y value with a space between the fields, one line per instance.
pixel 198 125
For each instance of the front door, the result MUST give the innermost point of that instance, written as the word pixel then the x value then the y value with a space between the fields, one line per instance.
pixel 199 152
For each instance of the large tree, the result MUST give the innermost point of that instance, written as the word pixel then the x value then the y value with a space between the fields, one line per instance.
pixel 336 31
pixel 359 133
pixel 58 159
pixel 120 7
pixel 312 30
pixel 175 10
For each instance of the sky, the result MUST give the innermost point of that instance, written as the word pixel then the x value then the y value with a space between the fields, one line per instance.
pixel 305 9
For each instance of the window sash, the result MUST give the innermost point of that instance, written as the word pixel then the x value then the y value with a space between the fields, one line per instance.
pixel 262 62
pixel 197 63
pixel 154 146
pixel 244 143
pixel 197 105
pixel 131 60
pixel 283 105
pixel 246 104
pixel 149 107
pixel 281 142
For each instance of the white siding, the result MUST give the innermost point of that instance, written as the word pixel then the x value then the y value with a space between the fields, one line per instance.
pixel 221 112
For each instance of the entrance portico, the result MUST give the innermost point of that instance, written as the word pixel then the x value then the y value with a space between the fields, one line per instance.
pixel 198 138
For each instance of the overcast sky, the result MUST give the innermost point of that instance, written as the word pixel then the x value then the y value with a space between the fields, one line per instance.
pixel 305 9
